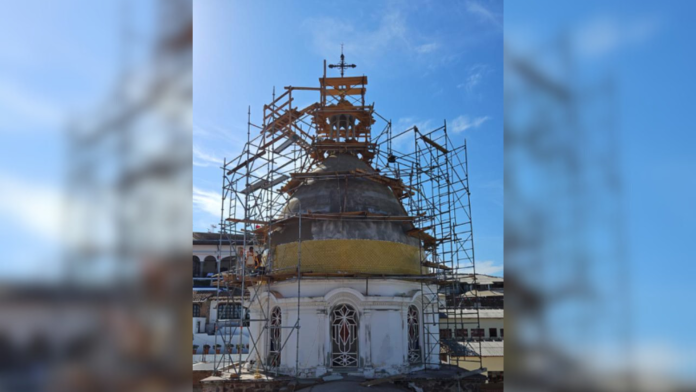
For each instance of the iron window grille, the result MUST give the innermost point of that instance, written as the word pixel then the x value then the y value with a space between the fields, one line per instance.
pixel 414 349
pixel 344 336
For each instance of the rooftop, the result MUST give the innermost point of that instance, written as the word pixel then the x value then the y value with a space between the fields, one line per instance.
pixel 472 348
pixel 488 349
pixel 200 238
pixel 483 293
pixel 471 313
pixel 481 279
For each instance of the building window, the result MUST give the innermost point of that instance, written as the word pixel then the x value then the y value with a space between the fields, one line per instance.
pixel 196 267
pixel 477 333
pixel 344 336
pixel 228 312
pixel 502 333
pixel 445 333
pixel 493 332
pixel 247 317
pixel 196 310
pixel 414 352
pixel 461 333
pixel 274 349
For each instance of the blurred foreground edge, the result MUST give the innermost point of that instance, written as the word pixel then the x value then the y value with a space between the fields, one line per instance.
pixel 117 318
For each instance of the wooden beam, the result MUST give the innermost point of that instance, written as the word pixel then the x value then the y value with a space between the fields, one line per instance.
pixel 275 110
pixel 263 183
pixel 428 240
pixel 279 98
pixel 251 221
pixel 309 108
pixel 358 215
pixel 271 142
pixel 349 91
pixel 310 137
pixel 432 143
pixel 349 81
pixel 303 88
pixel 435 265
pixel 241 165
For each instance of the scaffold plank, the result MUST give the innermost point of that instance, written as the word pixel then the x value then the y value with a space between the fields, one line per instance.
pixel 241 165
pixel 435 265
pixel 347 81
pixel 432 143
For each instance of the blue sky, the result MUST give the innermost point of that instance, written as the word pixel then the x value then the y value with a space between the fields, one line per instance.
pixel 57 63
pixel 426 61
pixel 645 48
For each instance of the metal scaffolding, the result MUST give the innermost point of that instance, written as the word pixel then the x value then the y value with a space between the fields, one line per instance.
pixel 430 180
pixel 436 173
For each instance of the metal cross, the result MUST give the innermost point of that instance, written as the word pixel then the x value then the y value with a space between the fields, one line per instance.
pixel 342 65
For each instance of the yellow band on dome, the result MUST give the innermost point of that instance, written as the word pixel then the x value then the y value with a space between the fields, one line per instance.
pixel 349 256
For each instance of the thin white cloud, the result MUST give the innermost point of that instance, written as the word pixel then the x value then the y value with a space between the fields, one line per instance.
pixel 329 33
pixel 475 75
pixel 488 267
pixel 605 35
pixel 215 133
pixel 22 106
pixel 407 122
pixel 657 364
pixel 404 143
pixel 483 13
pixel 204 159
pixel 391 36
pixel 207 201
pixel 464 122
pixel 427 48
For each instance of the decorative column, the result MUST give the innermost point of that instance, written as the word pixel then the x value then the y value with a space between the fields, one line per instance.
pixel 366 343
pixel 324 339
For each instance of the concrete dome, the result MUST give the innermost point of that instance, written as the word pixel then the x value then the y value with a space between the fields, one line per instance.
pixel 351 195
pixel 348 245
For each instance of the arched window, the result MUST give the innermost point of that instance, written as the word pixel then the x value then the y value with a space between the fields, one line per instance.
pixel 343 122
pixel 196 267
pixel 209 266
pixel 414 351
pixel 344 336
pixel 342 125
pixel 275 342
pixel 227 264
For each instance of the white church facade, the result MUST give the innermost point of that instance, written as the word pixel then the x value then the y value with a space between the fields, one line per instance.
pixel 363 326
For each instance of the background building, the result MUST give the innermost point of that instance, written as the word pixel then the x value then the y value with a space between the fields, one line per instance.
pixel 486 294
pixel 215 313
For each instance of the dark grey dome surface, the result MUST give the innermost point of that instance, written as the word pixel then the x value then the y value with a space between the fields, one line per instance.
pixel 343 195
pixel 333 195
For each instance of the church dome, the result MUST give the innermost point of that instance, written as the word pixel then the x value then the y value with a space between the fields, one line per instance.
pixel 349 224
pixel 353 194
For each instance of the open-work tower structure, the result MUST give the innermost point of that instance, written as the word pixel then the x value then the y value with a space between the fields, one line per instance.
pixel 347 243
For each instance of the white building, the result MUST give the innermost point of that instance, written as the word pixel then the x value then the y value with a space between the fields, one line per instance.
pixel 216 324
pixel 347 325
pixel 337 267
pixel 360 306
pixel 478 325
